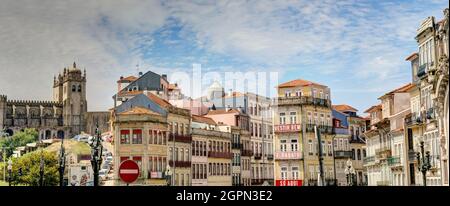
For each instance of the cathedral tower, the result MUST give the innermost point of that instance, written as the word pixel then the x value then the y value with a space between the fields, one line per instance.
pixel 70 90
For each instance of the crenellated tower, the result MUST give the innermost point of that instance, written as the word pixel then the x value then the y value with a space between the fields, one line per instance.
pixel 69 89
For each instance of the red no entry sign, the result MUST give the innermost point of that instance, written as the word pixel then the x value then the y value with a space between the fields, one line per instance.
pixel 129 171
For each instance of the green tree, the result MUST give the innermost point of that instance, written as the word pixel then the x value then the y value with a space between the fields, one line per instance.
pixel 30 166
pixel 19 139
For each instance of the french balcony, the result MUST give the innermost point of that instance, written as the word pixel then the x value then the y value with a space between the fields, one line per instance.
pixel 224 155
pixel 302 100
pixel 246 153
pixel 270 157
pixel 383 152
pixel 287 128
pixel 179 163
pixel 342 154
pixel 180 138
pixel 291 155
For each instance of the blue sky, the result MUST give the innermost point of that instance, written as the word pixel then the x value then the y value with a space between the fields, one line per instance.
pixel 357 48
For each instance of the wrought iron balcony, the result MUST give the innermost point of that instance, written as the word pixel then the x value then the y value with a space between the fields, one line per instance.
pixel 179 163
pixel 246 153
pixel 270 157
pixel 342 154
pixel 413 119
pixel 394 161
pixel 369 159
pixel 225 155
pixel 340 130
pixel 236 146
pixel 383 152
pixel 287 128
pixel 324 129
pixel 180 138
pixel 280 155
pixel 258 156
pixel 303 100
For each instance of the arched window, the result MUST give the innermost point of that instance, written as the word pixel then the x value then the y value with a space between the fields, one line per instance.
pixel 79 88
pixel 74 88
pixel 359 154
pixel 353 154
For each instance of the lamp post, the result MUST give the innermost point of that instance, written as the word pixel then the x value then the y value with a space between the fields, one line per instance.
pixel 9 171
pixel 96 154
pixel 168 175
pixel 62 163
pixel 423 162
pixel 41 169
pixel 350 173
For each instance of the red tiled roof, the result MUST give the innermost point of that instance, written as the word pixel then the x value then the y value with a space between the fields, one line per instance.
pixel 373 108
pixel 129 93
pixel 298 82
pixel 402 89
pixel 235 94
pixel 128 79
pixel 412 56
pixel 222 111
pixel 202 119
pixel 161 102
pixel 137 111
pixel 344 108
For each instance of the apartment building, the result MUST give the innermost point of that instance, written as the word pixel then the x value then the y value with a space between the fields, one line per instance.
pixel 302 106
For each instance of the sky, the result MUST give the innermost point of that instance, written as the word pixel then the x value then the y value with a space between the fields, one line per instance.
pixel 357 48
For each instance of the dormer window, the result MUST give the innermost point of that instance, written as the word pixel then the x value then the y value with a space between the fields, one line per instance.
pixel 130 89
pixel 135 88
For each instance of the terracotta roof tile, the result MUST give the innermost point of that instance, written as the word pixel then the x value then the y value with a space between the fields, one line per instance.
pixel 129 93
pixel 202 119
pixel 412 56
pixel 128 79
pixel 373 108
pixel 402 89
pixel 344 108
pixel 161 102
pixel 298 82
pixel 138 110
pixel 222 111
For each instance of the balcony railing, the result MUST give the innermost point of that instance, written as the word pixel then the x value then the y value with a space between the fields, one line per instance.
pixel 270 157
pixel 369 159
pixel 180 138
pixel 288 128
pixel 342 154
pixel 321 128
pixel 422 71
pixel 356 139
pixel 258 156
pixel 383 150
pixel 303 100
pixel 236 146
pixel 246 153
pixel 340 130
pixel 225 155
pixel 179 163
pixel 394 161
pixel 280 155
pixel 413 119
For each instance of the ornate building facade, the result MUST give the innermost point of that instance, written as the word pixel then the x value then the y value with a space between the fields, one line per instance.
pixel 63 117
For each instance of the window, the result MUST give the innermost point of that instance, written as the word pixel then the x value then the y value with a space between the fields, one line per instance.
pixel 125 137
pixel 293 117
pixel 311 148
pixel 284 173
pixel 359 154
pixel 353 154
pixel 79 88
pixel 294 145
pixel 298 93
pixel 294 171
pixel 287 93
pixel 309 118
pixel 74 88
pixel 137 136
pixel 282 118
pixel 283 145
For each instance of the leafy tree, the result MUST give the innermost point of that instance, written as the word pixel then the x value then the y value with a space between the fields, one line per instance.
pixel 29 164
pixel 19 139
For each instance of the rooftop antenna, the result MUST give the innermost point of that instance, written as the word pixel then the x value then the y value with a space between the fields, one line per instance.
pixel 137 68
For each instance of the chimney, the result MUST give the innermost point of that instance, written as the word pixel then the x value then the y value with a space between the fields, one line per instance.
pixel 121 77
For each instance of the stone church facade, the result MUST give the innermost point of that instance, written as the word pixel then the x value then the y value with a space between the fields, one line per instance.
pixel 63 117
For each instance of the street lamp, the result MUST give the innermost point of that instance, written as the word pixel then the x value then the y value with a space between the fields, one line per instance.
pixel 9 171
pixel 62 163
pixel 423 163
pixel 96 154
pixel 168 175
pixel 349 173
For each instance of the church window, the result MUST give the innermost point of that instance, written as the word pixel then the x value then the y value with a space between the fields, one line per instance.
pixel 79 88
pixel 74 88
